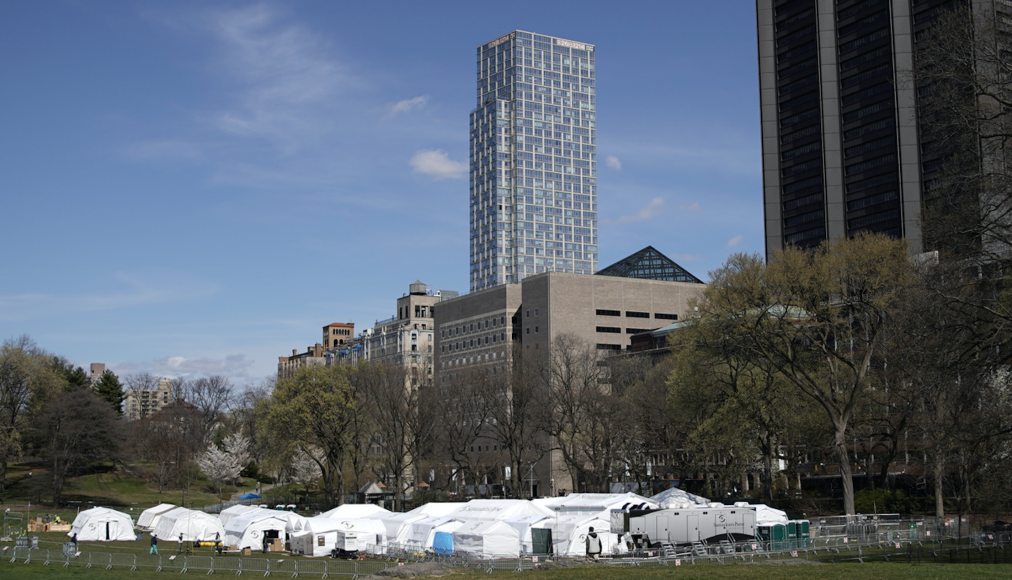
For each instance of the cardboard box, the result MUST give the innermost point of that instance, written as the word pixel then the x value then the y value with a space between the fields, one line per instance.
pixel 247 551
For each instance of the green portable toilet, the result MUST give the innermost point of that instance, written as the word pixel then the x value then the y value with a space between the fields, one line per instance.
pixel 803 533
pixel 774 536
pixel 792 534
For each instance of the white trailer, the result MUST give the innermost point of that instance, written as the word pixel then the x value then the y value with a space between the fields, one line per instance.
pixel 684 526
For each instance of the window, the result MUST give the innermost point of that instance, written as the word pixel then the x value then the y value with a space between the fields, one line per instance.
pixel 609 329
pixel 633 314
pixel 637 330
pixel 665 316
pixel 608 347
pixel 601 312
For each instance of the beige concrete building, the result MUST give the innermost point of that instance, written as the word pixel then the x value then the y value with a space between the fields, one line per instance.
pixel 314 356
pixel 142 402
pixel 337 334
pixel 407 338
pixel 604 310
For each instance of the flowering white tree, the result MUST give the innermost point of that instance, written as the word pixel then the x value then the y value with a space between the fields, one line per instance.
pixel 221 464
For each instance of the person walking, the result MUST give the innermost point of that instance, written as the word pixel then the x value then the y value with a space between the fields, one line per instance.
pixel 593 545
pixel 154 545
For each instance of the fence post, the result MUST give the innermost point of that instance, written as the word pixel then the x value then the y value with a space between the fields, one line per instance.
pixel 133 565
pixel 108 566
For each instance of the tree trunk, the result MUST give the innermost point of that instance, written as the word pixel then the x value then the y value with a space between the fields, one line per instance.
pixel 939 498
pixel 846 473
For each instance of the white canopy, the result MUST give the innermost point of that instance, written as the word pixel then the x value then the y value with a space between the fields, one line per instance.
pixel 398 527
pixel 487 539
pixel 236 510
pixel 421 532
pixel 248 530
pixel 595 503
pixel 149 517
pixel 356 510
pixel 102 525
pixel 764 514
pixel 569 533
pixel 679 499
pixel 518 513
pixel 191 525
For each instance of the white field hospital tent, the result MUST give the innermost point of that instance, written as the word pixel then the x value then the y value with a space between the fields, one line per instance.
pixel 149 517
pixel 521 514
pixel 236 510
pixel 248 530
pixel 398 525
pixel 487 539
pixel 191 525
pixel 576 513
pixel 422 532
pixel 103 525
pixel 317 537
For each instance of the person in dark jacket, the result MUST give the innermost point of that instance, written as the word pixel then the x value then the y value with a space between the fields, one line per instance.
pixel 593 545
pixel 154 545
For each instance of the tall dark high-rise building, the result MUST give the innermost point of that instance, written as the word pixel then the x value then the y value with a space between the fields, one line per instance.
pixel 533 168
pixel 844 150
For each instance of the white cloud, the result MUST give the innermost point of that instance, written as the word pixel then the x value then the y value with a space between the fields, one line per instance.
pixel 648 212
pixel 735 241
pixel 694 206
pixel 436 163
pixel 408 105
pixel 236 367
pixel 612 162
pixel 288 78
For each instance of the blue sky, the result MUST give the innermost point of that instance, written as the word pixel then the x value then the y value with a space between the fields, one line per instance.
pixel 197 187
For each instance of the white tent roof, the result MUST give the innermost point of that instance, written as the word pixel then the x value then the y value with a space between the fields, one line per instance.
pixel 149 517
pixel 764 514
pixel 356 510
pixel 592 503
pixel 103 525
pixel 487 539
pixel 193 525
pixel 677 498
pixel 236 510
pixel 500 509
pixel 438 509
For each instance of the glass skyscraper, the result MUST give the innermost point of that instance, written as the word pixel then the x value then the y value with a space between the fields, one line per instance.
pixel 533 169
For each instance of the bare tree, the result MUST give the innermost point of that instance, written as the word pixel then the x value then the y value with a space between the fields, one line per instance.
pixel 384 394
pixel 211 397
pixel 517 412
pixel 463 414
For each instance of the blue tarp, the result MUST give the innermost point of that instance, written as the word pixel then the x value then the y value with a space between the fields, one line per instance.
pixel 442 543
pixel 249 495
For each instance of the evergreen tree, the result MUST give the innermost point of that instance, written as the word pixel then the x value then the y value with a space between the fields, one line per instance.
pixel 109 389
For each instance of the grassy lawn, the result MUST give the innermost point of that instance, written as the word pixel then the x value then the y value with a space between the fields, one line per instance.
pixel 884 571
pixel 111 488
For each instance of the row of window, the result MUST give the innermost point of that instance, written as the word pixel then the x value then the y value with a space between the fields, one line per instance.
pixel 636 314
